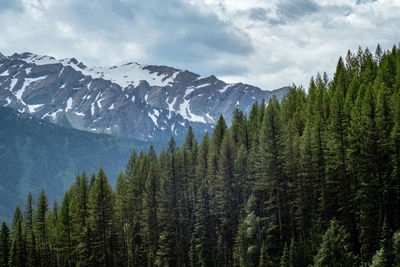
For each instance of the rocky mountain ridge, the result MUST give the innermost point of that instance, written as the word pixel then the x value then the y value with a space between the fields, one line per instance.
pixel 142 102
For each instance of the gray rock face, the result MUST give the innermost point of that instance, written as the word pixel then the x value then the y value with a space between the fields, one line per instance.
pixel 149 103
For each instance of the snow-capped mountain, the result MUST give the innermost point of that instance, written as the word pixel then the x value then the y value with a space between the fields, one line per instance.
pixel 142 102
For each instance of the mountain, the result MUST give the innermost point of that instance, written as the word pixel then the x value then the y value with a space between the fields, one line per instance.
pixel 36 154
pixel 142 102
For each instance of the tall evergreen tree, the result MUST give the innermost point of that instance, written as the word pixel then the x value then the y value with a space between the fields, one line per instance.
pixel 226 206
pixel 101 217
pixel 335 249
pixel 64 229
pixel 5 244
pixel 32 257
pixel 41 229
pixel 18 243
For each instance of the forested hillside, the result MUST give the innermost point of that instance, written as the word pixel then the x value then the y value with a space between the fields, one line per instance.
pixel 313 180
pixel 35 153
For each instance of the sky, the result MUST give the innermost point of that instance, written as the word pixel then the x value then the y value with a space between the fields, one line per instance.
pixel 266 43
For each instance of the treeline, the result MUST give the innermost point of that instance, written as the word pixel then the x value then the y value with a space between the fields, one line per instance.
pixel 311 181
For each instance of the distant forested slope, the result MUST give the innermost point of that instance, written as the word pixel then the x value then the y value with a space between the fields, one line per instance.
pixel 36 154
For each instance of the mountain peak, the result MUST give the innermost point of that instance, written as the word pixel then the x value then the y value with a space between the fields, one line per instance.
pixel 144 102
pixel 2 56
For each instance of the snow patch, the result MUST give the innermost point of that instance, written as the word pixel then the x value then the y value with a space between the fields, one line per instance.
pixel 27 82
pixel 202 85
pixel 32 108
pixel 69 104
pixel 184 110
pixel 211 118
pixel 226 87
pixel 99 102
pixel 13 83
pixel 171 107
pixel 54 114
pixel 153 118
pixel 92 105
pixel 189 90
pixel 201 78
pixel 111 107
pixel 8 101
pixel 156 112
pixel 5 73
pixel 80 113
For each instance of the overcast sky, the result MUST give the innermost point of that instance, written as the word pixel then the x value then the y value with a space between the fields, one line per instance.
pixel 267 43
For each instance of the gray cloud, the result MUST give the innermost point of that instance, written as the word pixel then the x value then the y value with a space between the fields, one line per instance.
pixel 296 9
pixel 266 43
pixel 286 10
pixel 164 32
pixel 6 5
pixel 258 14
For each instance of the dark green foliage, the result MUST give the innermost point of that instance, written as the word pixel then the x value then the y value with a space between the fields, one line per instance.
pixel 5 243
pixel 101 220
pixel 41 229
pixel 18 242
pixel 311 181
pixel 335 249
pixel 384 256
pixel 64 232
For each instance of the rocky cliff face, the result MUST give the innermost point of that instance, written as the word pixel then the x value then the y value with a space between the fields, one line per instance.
pixel 148 103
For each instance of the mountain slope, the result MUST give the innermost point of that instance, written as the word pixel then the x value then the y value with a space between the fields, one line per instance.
pixel 147 103
pixel 35 154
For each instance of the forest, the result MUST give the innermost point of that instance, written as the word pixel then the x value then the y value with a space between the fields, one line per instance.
pixel 313 180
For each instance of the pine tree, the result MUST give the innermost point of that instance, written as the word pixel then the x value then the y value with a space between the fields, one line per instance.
pixel 276 211
pixel 51 226
pixel 64 239
pixel 131 164
pixel 5 244
pixel 248 242
pixel 396 248
pixel 150 209
pixel 226 206
pixel 32 257
pixel 203 232
pixel 122 217
pixel 41 229
pixel 80 230
pixel 101 217
pixel 385 254
pixel 167 252
pixel 136 183
pixel 239 129
pixel 370 212
pixel 18 243
pixel 335 249
pixel 285 259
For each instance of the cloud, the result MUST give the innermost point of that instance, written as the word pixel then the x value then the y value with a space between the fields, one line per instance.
pixel 295 9
pixel 266 43
pixel 113 31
